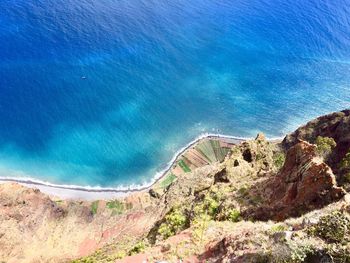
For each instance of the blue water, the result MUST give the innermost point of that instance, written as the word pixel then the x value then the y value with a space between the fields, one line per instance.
pixel 104 93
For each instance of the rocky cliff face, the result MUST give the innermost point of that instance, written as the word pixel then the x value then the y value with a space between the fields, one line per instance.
pixel 263 202
pixel 335 125
pixel 303 184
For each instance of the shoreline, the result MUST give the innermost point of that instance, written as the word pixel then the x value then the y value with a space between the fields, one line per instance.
pixel 95 192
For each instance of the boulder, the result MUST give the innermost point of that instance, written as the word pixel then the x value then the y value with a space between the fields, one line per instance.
pixel 221 177
pixel 155 193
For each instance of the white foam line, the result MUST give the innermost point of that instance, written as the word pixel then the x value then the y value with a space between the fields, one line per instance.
pixel 121 189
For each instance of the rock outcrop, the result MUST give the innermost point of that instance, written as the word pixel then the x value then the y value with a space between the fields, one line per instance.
pixel 335 125
pixel 304 183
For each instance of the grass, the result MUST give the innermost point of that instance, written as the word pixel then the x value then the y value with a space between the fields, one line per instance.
pixel 115 204
pixel 212 150
pixel 118 207
pixel 167 181
pixel 138 248
pixel 184 166
pixel 94 207
pixel 278 159
pixel 174 222
pixel 206 149
pixel 278 228
pixel 220 152
pixel 234 215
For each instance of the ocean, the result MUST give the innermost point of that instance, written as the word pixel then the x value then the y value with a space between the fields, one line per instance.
pixel 104 93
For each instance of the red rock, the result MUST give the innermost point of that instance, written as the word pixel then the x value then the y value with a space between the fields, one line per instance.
pixel 304 183
pixel 335 125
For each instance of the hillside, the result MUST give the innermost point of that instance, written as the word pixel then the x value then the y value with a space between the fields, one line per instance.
pixel 254 201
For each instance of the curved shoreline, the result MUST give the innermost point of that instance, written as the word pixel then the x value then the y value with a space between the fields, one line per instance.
pixel 122 190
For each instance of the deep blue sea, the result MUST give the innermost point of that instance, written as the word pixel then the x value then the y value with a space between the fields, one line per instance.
pixel 103 93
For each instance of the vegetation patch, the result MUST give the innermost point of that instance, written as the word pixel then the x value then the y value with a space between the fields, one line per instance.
pixel 278 159
pixel 245 196
pixel 167 181
pixel 334 227
pixel 174 222
pixel 278 228
pixel 184 166
pixel 339 253
pixel 58 202
pixel 85 260
pixel 120 255
pixel 209 205
pixel 138 248
pixel 345 165
pixel 94 207
pixel 289 252
pixel 234 215
pixel 118 207
pixel 299 252
pixel 207 149
pixel 200 226
pixel 215 206
pixel 325 145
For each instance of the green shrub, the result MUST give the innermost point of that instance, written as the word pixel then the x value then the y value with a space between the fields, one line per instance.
pixel 138 248
pixel 174 222
pixel 300 252
pixel 120 255
pixel 325 145
pixel 289 252
pixel 334 227
pixel 234 215
pixel 345 164
pixel 278 159
pixel 94 206
pixel 278 228
pixel 211 205
pixel 339 253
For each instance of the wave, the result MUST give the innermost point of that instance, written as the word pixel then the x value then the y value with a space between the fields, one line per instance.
pixel 133 187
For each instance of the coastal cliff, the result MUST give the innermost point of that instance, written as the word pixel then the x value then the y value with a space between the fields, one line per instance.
pixel 249 201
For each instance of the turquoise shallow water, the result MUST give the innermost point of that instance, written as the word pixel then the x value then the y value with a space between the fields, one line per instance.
pixel 104 93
